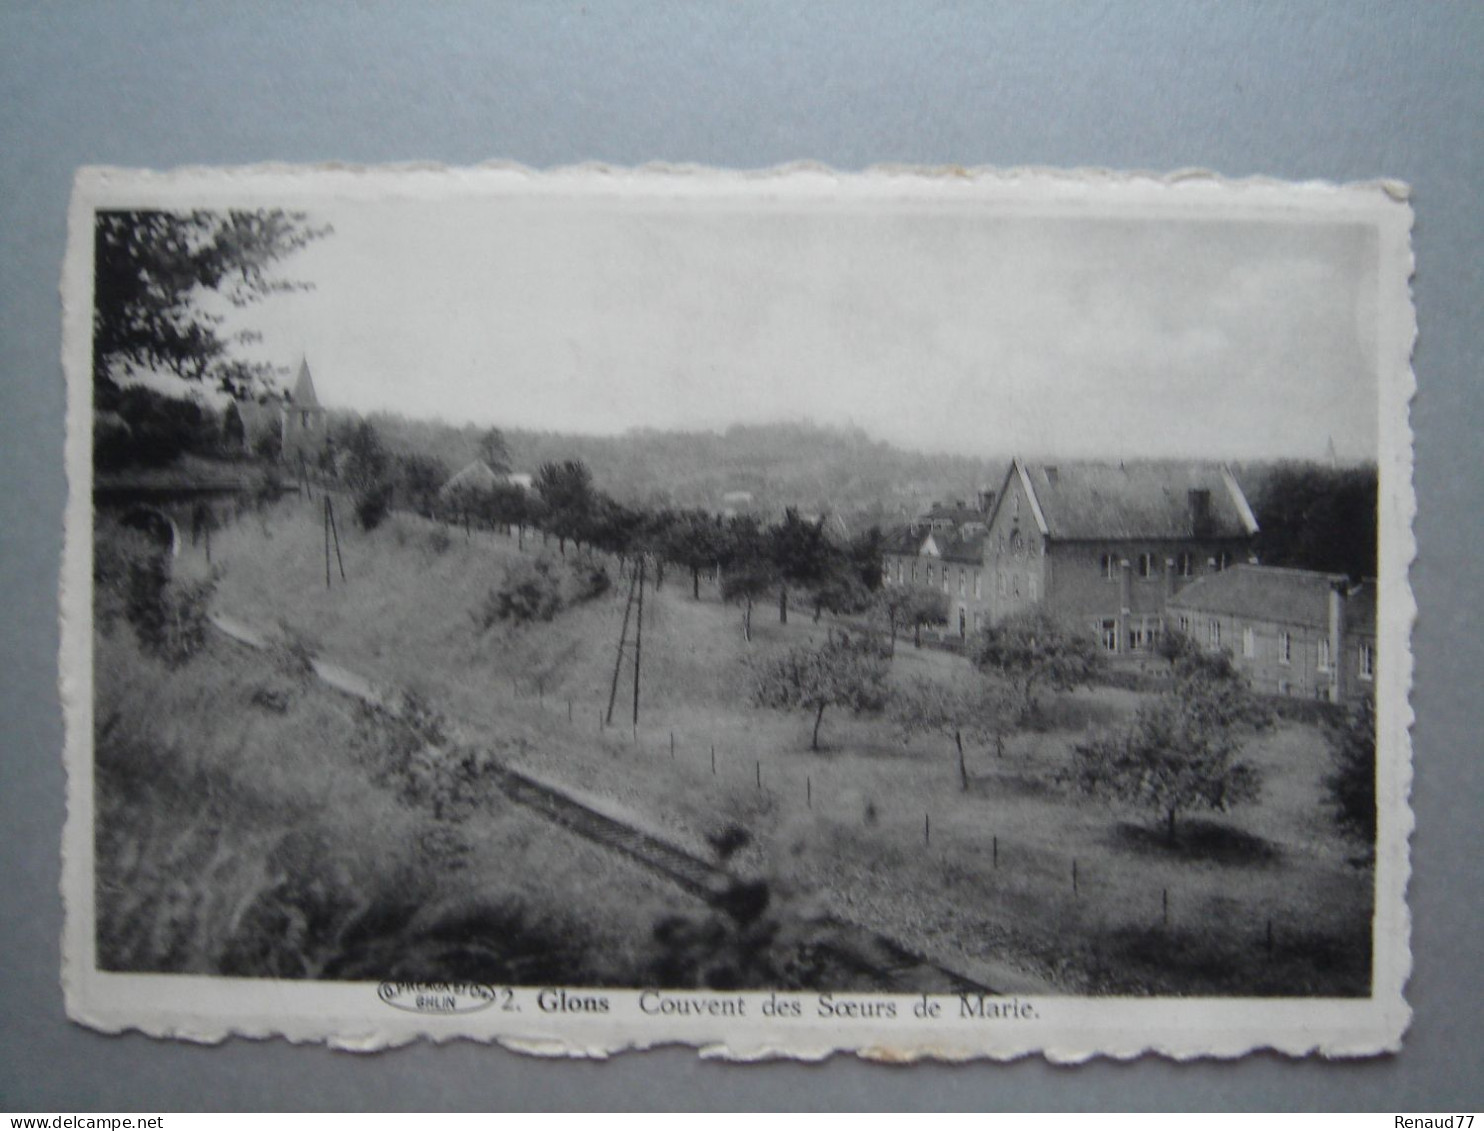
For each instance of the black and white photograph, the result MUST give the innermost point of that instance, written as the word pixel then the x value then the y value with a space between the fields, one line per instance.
pixel 925 613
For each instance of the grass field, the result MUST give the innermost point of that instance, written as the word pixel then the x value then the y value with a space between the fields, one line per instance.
pixel 1261 901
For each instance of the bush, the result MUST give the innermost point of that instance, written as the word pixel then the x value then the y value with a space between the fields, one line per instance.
pixel 131 577
pixel 587 579
pixel 531 591
pixel 538 590
pixel 373 502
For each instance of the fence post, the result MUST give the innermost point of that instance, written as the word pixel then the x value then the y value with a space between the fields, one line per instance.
pixel 1074 876
pixel 808 792
pixel 927 829
pixel 1164 907
pixel 996 858
pixel 713 758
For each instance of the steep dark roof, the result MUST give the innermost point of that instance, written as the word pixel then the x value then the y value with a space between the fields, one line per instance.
pixel 303 395
pixel 949 512
pixel 1085 500
pixel 904 540
pixel 1287 596
pixel 965 548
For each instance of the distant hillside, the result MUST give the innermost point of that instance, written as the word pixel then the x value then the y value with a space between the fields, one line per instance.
pixel 816 468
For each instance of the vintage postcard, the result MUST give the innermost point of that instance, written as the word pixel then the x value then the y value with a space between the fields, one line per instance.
pixel 919 613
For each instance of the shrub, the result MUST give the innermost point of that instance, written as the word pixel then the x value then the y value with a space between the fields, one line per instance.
pixel 439 540
pixel 587 579
pixel 373 501
pixel 530 591
pixel 538 590
pixel 132 581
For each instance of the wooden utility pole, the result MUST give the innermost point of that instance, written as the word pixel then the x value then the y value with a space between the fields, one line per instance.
pixel 623 636
pixel 335 532
pixel 327 543
pixel 638 641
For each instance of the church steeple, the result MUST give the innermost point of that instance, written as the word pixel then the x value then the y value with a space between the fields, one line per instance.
pixel 303 396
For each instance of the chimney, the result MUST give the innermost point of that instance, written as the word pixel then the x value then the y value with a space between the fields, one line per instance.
pixel 1199 499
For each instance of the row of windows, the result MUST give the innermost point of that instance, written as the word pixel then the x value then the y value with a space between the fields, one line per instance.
pixel 1323 658
pixel 1150 566
pixel 1143 635
pixel 941 576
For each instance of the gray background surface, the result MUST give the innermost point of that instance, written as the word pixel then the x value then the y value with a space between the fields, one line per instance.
pixel 1296 90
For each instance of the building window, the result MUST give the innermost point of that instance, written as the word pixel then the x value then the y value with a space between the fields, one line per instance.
pixel 977 593
pixel 960 581
pixel 1015 507
pixel 978 622
pixel 1108 566
pixel 945 579
pixel 914 573
pixel 1185 564
pixel 1015 586
pixel 1184 625
pixel 1139 638
pixel 930 575
pixel 1213 632
pixel 1034 588
pixel 1324 654
pixel 1285 647
pixel 1109 633
pixel 1284 687
pixel 1249 643
pixel 1001 585
pixel 899 573
pixel 1221 561
pixel 1148 566
pixel 1367 661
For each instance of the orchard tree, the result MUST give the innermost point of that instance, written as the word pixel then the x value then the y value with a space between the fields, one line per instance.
pixel 1032 649
pixel 801 554
pixel 1183 749
pixel 982 711
pixel 890 605
pixel 695 541
pixel 420 478
pixel 566 490
pixel 924 607
pixel 841 591
pixel 745 582
pixel 839 673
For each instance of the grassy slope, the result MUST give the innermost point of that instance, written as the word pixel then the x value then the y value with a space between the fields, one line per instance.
pixel 252 840
pixel 404 617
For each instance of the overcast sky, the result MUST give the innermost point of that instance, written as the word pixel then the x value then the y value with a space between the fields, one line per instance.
pixel 944 329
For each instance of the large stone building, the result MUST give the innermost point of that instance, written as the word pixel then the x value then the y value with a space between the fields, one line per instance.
pixel 1107 545
pixel 1291 631
pixel 942 549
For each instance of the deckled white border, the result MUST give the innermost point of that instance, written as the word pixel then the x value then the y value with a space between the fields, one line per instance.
pixel 350 1017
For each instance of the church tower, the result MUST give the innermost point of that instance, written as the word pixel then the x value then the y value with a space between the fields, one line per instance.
pixel 303 418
